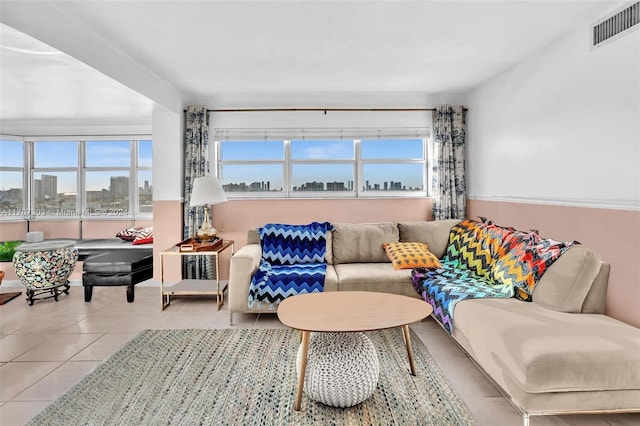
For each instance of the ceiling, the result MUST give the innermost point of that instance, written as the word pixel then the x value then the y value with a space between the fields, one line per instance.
pixel 124 57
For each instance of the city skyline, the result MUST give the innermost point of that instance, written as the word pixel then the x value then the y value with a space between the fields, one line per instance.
pixel 337 186
pixel 46 196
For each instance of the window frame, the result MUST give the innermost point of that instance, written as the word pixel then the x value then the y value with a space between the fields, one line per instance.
pixel 358 164
pixel 81 212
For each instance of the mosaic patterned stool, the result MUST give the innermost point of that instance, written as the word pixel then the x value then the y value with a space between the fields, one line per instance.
pixel 342 368
pixel 45 266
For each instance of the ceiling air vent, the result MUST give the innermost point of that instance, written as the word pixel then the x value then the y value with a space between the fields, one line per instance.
pixel 616 25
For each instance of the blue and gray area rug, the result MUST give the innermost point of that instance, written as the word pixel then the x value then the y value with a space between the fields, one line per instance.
pixel 246 377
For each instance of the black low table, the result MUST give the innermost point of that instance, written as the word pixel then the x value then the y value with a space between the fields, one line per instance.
pixel 116 268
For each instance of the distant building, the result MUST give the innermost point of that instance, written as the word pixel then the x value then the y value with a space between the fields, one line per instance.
pixel 312 186
pixel 335 186
pixel 119 187
pixel 49 186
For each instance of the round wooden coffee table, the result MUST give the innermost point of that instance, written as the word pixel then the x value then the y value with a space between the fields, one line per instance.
pixel 349 311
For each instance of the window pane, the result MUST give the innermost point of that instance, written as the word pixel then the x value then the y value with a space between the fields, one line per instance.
pixel 393 177
pixel 322 177
pixel 54 193
pixel 392 148
pixel 11 154
pixel 252 178
pixel 108 153
pixel 145 154
pixel 56 154
pixel 107 193
pixel 252 150
pixel 145 192
pixel 322 150
pixel 11 193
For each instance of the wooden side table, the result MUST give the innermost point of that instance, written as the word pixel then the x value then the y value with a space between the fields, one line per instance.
pixel 191 287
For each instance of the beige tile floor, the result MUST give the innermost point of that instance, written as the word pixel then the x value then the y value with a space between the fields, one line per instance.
pixel 47 347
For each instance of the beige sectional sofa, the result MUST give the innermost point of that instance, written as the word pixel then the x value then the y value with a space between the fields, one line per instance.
pixel 557 354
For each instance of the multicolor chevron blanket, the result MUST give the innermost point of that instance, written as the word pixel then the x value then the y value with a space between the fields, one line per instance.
pixel 484 260
pixel 444 287
pixel 293 262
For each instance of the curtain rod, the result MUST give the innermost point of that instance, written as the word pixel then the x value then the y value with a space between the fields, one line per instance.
pixel 319 109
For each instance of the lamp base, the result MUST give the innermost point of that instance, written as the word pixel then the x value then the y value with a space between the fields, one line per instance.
pixel 206 234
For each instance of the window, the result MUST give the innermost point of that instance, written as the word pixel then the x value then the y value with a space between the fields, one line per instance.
pixel 54 181
pixel 107 178
pixel 393 165
pixel 322 165
pixel 334 167
pixel 95 178
pixel 253 166
pixel 11 178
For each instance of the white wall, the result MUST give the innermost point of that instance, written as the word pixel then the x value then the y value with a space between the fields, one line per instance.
pixel 561 127
pixel 168 137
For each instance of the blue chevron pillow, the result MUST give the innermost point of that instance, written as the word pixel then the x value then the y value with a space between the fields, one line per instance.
pixel 294 244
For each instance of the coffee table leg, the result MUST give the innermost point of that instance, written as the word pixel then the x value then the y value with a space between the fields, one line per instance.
pixel 303 367
pixel 407 341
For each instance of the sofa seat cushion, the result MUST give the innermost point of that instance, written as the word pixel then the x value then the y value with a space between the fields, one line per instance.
pixel 380 277
pixel 542 350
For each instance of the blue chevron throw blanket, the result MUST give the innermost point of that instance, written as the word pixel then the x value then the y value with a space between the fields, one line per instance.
pixel 442 288
pixel 293 262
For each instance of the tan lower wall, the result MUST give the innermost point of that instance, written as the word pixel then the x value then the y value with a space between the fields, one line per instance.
pixel 167 231
pixel 234 218
pixel 614 234
pixel 13 231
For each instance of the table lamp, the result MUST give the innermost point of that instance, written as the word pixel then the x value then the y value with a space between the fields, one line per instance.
pixel 206 191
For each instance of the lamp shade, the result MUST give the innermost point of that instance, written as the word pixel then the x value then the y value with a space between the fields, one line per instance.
pixel 206 190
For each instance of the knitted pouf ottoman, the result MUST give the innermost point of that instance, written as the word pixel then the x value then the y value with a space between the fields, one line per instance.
pixel 342 368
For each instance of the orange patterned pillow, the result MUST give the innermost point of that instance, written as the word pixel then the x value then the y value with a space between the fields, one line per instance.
pixel 411 255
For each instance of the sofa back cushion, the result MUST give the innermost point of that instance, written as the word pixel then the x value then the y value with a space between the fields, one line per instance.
pixel 566 283
pixel 435 234
pixel 596 298
pixel 362 242
pixel 284 244
pixel 253 236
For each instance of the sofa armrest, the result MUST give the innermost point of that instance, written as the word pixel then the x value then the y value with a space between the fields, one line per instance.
pixel 244 263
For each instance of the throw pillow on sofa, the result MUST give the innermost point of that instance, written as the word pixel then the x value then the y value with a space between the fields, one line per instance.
pixel 145 236
pixel 129 234
pixel 409 255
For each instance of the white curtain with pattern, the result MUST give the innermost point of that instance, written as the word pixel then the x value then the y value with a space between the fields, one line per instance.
pixel 448 174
